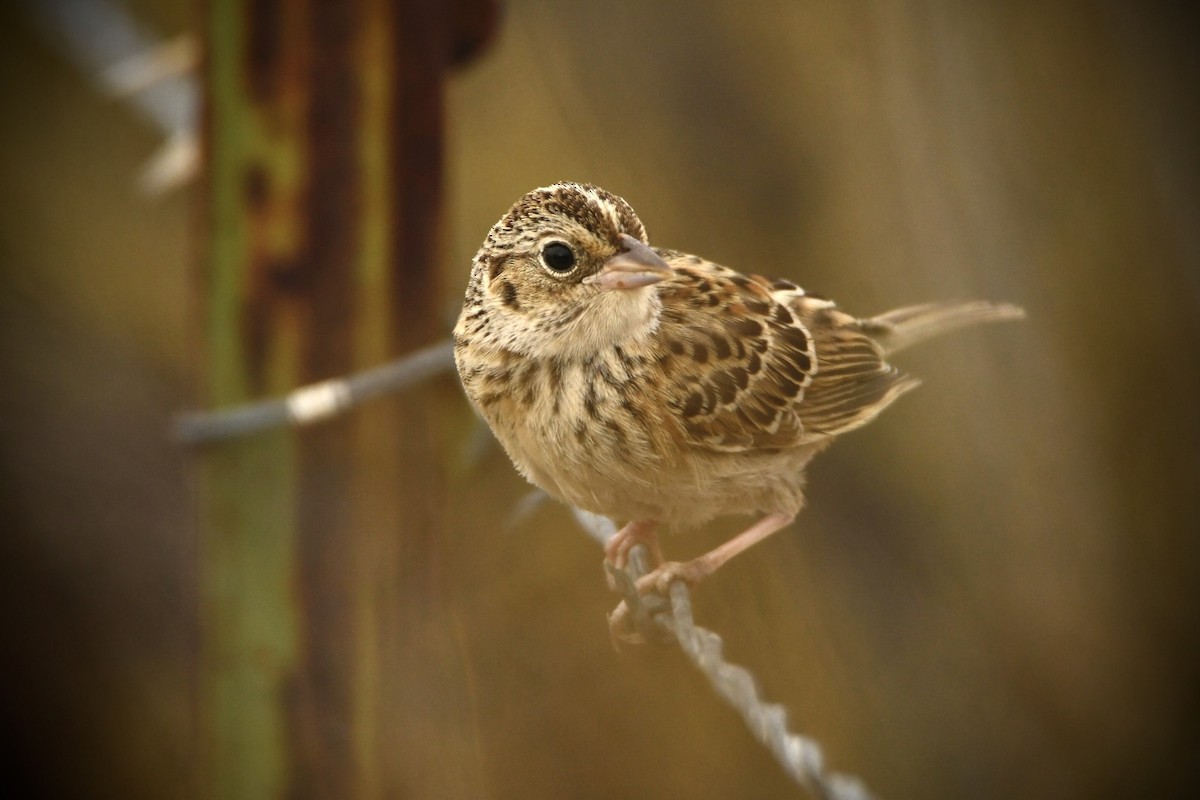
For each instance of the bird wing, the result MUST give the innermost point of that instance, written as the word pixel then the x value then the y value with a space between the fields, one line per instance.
pixel 740 361
pixel 756 364
pixel 853 382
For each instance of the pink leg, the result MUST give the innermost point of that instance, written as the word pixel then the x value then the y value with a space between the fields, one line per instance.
pixel 700 568
pixel 639 531
pixel 660 579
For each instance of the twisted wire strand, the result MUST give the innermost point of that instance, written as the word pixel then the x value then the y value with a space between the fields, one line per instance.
pixel 799 756
pixel 316 401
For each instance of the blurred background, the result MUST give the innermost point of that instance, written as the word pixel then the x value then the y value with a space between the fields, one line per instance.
pixel 993 592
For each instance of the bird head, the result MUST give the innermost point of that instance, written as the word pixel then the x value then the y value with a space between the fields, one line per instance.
pixel 567 270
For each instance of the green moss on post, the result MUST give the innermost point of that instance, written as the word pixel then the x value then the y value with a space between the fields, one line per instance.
pixel 320 552
pixel 252 337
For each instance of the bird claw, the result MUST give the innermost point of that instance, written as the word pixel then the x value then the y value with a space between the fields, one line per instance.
pixel 632 621
pixel 622 628
pixel 659 580
pixel 620 550
pixel 611 571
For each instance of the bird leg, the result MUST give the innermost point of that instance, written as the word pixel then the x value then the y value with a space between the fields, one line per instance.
pixel 620 622
pixel 619 545
pixel 696 570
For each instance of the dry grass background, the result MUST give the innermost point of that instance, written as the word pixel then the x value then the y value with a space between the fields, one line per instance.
pixel 993 591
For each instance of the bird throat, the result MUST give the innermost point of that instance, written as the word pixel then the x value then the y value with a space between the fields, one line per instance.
pixel 603 321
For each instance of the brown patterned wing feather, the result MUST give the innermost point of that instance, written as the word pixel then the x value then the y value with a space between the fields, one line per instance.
pixel 853 382
pixel 760 365
pixel 742 359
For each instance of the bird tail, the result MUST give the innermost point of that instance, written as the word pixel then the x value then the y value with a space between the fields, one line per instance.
pixel 910 325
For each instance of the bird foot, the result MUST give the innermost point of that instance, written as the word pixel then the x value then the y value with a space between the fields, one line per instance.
pixel 620 545
pixel 631 622
pixel 659 579
pixel 628 625
pixel 654 586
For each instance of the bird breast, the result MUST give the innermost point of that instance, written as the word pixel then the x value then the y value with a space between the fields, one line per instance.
pixel 596 433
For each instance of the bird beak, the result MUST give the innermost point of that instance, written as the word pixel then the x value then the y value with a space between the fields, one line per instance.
pixel 635 266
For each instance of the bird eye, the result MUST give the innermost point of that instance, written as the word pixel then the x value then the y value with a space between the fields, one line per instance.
pixel 558 257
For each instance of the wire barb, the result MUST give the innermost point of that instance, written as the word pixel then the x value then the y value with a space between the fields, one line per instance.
pixel 800 756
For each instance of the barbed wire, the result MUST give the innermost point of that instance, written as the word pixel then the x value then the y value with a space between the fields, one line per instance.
pixel 127 60
pixel 316 401
pixel 800 756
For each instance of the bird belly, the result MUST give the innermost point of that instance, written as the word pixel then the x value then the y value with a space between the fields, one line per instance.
pixel 628 477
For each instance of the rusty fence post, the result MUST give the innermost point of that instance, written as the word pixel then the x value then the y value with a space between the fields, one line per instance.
pixel 319 226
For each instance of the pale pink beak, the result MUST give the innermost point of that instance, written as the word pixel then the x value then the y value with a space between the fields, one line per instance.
pixel 635 266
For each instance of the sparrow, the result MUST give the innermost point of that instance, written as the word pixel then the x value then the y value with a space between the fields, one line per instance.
pixel 656 387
